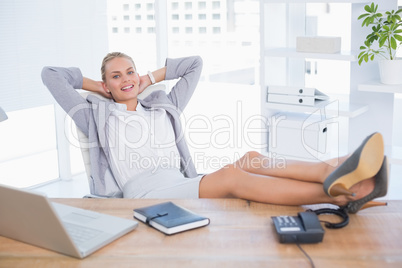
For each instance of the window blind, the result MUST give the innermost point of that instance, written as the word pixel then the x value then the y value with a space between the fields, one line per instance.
pixel 37 33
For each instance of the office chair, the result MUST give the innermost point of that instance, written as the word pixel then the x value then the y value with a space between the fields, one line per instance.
pixel 83 139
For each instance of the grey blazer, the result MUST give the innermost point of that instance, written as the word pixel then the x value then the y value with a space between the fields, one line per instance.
pixel 91 115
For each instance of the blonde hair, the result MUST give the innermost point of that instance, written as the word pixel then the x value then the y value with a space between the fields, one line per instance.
pixel 110 56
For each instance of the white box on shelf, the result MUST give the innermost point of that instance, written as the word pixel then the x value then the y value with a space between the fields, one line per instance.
pixel 299 135
pixel 318 44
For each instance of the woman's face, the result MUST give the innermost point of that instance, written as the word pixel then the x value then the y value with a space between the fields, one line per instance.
pixel 122 81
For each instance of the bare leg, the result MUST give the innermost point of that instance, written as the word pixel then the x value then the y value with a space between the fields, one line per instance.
pixel 232 181
pixel 254 162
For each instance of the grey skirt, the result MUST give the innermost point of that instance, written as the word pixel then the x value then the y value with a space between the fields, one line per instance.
pixel 163 184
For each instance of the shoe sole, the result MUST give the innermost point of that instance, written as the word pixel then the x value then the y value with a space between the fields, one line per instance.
pixel 380 190
pixel 364 163
pixel 383 182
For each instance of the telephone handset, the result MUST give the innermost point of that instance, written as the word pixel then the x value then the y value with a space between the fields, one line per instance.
pixel 304 228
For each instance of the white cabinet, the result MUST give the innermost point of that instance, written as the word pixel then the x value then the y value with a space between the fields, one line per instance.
pixel 364 106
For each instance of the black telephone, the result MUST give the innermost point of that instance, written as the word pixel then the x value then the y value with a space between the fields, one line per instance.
pixel 305 228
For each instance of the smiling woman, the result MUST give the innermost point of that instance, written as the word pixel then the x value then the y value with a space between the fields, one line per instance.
pixel 110 120
pixel 115 125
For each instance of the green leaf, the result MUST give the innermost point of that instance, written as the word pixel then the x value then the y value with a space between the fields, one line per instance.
pixel 398 37
pixel 385 27
pixel 361 54
pixel 363 15
pixel 360 61
pixel 372 57
pixel 366 21
pixel 371 40
pixel 362 47
pixel 367 8
pixel 393 43
pixel 382 41
pixel 366 58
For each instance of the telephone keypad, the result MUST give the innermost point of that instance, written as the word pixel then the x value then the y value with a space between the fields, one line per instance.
pixel 303 228
pixel 288 224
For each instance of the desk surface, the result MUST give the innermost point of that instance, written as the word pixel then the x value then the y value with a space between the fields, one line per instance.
pixel 241 234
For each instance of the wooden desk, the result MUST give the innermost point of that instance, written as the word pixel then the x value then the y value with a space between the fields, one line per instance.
pixel 241 234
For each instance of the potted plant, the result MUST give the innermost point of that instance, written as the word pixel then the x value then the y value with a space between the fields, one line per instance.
pixel 383 41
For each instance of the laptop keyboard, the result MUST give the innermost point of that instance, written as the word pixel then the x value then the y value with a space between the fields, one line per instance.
pixel 80 234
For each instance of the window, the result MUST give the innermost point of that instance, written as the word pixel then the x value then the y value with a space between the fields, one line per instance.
pixel 216 30
pixel 175 30
pixel 188 5
pixel 175 17
pixel 225 67
pixel 28 154
pixel 115 30
pixel 175 5
pixel 126 7
pixel 188 17
pixel 216 16
pixel 32 140
pixel 138 36
pixel 126 17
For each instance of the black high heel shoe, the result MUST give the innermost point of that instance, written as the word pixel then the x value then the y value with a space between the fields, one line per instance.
pixel 380 190
pixel 364 163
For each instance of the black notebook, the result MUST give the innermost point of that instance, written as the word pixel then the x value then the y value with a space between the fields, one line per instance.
pixel 170 218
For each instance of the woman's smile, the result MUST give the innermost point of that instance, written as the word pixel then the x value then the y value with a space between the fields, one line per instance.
pixel 127 88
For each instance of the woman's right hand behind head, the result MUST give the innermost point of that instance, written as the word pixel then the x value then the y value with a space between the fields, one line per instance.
pixel 95 86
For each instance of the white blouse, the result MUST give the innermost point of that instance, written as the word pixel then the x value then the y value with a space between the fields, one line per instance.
pixel 142 143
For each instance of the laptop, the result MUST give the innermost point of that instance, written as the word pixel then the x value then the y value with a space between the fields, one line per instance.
pixel 33 219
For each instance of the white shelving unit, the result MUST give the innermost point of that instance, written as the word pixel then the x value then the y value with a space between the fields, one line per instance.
pixel 394 152
pixel 341 108
pixel 377 86
pixel 317 1
pixel 368 107
pixel 292 53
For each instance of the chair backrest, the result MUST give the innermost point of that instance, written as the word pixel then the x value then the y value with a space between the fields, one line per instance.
pixel 83 139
